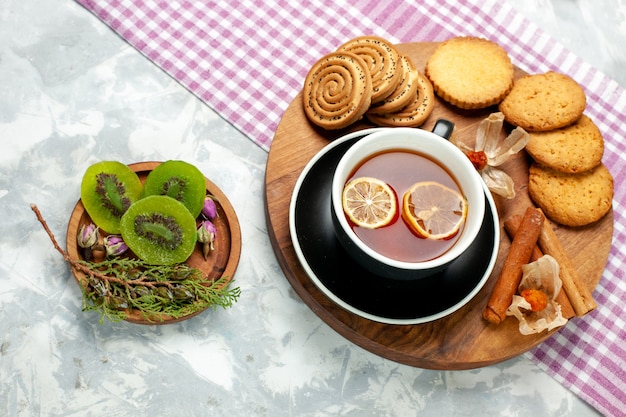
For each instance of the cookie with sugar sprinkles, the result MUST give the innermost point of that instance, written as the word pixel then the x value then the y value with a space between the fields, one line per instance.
pixel 576 148
pixel 415 113
pixel 542 102
pixel 404 92
pixel 571 199
pixel 382 60
pixel 337 90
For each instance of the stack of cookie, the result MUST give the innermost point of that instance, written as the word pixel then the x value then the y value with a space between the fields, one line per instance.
pixel 366 76
pixel 567 179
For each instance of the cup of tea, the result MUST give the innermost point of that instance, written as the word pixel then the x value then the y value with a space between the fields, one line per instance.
pixel 438 209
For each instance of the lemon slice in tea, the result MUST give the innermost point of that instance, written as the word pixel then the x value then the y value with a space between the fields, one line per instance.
pixel 369 202
pixel 434 211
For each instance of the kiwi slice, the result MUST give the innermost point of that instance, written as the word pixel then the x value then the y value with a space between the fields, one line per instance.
pixel 107 190
pixel 180 180
pixel 159 230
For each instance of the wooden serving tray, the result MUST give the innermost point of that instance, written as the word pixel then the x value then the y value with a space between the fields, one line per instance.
pixel 462 340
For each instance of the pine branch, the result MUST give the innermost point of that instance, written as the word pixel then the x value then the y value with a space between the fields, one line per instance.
pixel 115 287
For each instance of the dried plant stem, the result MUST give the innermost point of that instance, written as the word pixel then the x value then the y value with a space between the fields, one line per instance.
pixel 74 263
pixel 49 232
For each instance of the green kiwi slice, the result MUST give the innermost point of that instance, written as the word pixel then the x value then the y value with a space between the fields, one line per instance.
pixel 159 230
pixel 180 180
pixel 107 190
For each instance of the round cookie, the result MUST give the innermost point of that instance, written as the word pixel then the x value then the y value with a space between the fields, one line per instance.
pixel 337 90
pixel 382 60
pixel 470 72
pixel 572 149
pixel 542 102
pixel 413 114
pixel 571 199
pixel 404 92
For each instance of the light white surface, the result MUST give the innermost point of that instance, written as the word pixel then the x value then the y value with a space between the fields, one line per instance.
pixel 72 93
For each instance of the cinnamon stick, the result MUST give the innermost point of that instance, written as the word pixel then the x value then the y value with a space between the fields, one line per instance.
pixel 511 225
pixel 519 254
pixel 577 291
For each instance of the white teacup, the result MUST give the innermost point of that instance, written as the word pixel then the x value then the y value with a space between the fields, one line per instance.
pixel 433 147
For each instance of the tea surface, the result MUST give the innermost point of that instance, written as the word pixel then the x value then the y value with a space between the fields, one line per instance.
pixel 401 169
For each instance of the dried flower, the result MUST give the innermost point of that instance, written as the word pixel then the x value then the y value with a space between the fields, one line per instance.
pixel 206 234
pixel 182 293
pixel 209 210
pixel 87 238
pixel 489 152
pixel 88 235
pixel 115 245
pixel 540 277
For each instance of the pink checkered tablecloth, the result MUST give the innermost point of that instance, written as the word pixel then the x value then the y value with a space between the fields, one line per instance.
pixel 247 60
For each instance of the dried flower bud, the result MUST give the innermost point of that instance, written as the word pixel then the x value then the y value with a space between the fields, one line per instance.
pixel 179 274
pixel 140 291
pixel 88 235
pixel 164 294
pixel 118 303
pixel 98 288
pixel 206 232
pixel 210 209
pixel 206 235
pixel 115 245
pixel 181 293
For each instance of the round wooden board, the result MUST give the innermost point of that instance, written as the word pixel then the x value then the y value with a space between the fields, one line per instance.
pixel 462 340
pixel 221 263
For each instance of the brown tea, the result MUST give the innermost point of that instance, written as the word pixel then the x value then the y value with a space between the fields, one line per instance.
pixel 401 169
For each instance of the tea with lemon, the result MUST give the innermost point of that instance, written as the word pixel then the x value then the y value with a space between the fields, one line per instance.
pixel 430 205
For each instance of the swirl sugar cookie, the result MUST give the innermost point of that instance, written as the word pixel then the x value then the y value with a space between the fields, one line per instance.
pixel 337 90
pixel 415 113
pixel 404 92
pixel 382 60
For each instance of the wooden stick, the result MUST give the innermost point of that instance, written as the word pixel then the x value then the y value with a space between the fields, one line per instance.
pixel 577 291
pixel 519 254
pixel 511 225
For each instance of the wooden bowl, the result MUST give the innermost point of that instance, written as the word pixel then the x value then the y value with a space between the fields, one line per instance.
pixel 221 263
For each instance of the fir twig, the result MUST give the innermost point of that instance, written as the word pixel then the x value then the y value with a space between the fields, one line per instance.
pixel 115 287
